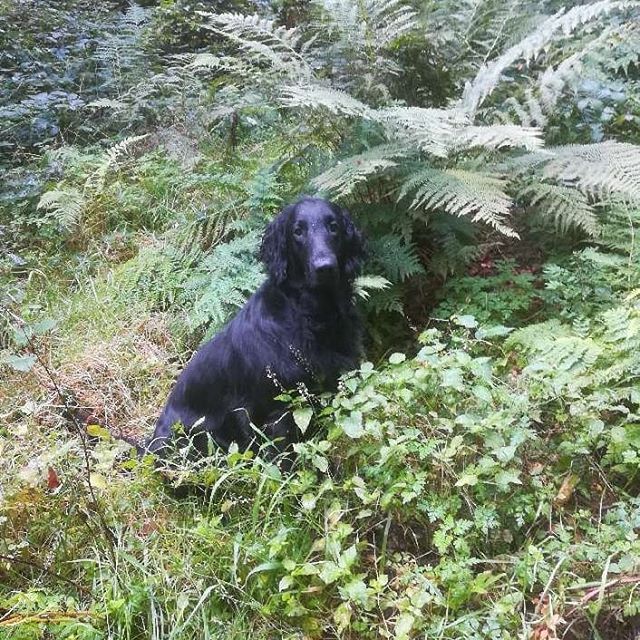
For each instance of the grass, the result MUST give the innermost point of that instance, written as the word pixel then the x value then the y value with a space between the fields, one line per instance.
pixel 449 495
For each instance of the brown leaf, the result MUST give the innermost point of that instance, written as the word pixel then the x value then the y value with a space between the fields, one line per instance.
pixel 566 490
pixel 53 482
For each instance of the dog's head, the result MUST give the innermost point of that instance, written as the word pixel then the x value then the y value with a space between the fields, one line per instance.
pixel 312 242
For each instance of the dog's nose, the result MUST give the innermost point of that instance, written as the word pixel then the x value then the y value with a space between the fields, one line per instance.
pixel 326 267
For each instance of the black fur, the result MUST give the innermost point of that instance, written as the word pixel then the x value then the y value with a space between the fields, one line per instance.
pixel 300 326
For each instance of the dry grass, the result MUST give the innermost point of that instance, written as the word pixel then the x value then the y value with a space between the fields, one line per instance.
pixel 119 382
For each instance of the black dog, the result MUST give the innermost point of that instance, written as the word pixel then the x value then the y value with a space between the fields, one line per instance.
pixel 299 327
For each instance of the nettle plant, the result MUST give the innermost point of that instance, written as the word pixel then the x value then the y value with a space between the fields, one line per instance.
pixel 426 507
pixel 453 170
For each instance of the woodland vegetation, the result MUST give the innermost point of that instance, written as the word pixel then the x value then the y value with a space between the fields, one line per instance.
pixel 478 476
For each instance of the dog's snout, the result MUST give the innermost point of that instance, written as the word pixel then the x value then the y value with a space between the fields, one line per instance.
pixel 326 265
pixel 325 270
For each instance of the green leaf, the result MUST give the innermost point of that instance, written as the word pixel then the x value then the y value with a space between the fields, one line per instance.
pixel 330 572
pixel 504 454
pixel 98 481
pixel 452 378
pixel 308 501
pixel 19 363
pixel 98 431
pixel 505 478
pixel 302 418
pixel 43 326
pixel 285 583
pixel 466 321
pixel 263 567
pixel 356 591
pixel 348 556
pixel 618 434
pixel 482 393
pixel 403 626
pixel 352 424
pixel 342 616
pixel 497 331
pixel 467 479
pixel 397 358
pixel 320 463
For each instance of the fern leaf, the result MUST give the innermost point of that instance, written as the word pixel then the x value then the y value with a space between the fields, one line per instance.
pixel 209 61
pixel 222 282
pixel 490 74
pixel 65 205
pixel 107 103
pixel 398 259
pixel 387 300
pixel 370 23
pixel 364 284
pixel 500 136
pixel 263 41
pixel 123 148
pixel 334 101
pixel 341 179
pixel 461 193
pixel 599 170
pixel 565 206
pixel 430 130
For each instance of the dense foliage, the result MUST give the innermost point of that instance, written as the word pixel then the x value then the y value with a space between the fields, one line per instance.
pixel 478 476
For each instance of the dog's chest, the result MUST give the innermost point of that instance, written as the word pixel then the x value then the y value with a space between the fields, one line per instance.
pixel 318 354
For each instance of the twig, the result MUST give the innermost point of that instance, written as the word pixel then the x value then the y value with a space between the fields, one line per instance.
pixel 596 589
pixel 80 432
pixel 544 593
pixel 39 567
pixel 45 616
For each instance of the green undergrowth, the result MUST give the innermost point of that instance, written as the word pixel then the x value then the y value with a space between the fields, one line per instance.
pixel 483 487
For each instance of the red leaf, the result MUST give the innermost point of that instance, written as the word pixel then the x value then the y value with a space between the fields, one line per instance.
pixel 52 479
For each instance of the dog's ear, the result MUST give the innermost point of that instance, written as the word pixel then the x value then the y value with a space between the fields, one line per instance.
pixel 354 249
pixel 273 250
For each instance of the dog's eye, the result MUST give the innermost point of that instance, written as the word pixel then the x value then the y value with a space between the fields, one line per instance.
pixel 298 231
pixel 333 226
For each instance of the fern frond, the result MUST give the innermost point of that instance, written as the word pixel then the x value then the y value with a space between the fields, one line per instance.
pixel 222 282
pixel 397 258
pixel 478 27
pixel 123 148
pixel 528 113
pixel 391 20
pixel 262 40
pixel 334 101
pixel 490 74
pixel 370 23
pixel 500 136
pixel 430 130
pixel 341 179
pixel 621 230
pixel 120 52
pixel 461 193
pixel 255 26
pixel 556 77
pixel 364 284
pixel 195 61
pixel 565 206
pixel 600 170
pixel 564 354
pixel 111 160
pixel 107 103
pixel 387 300
pixel 65 205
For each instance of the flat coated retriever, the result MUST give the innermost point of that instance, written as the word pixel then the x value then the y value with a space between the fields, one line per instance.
pixel 299 327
